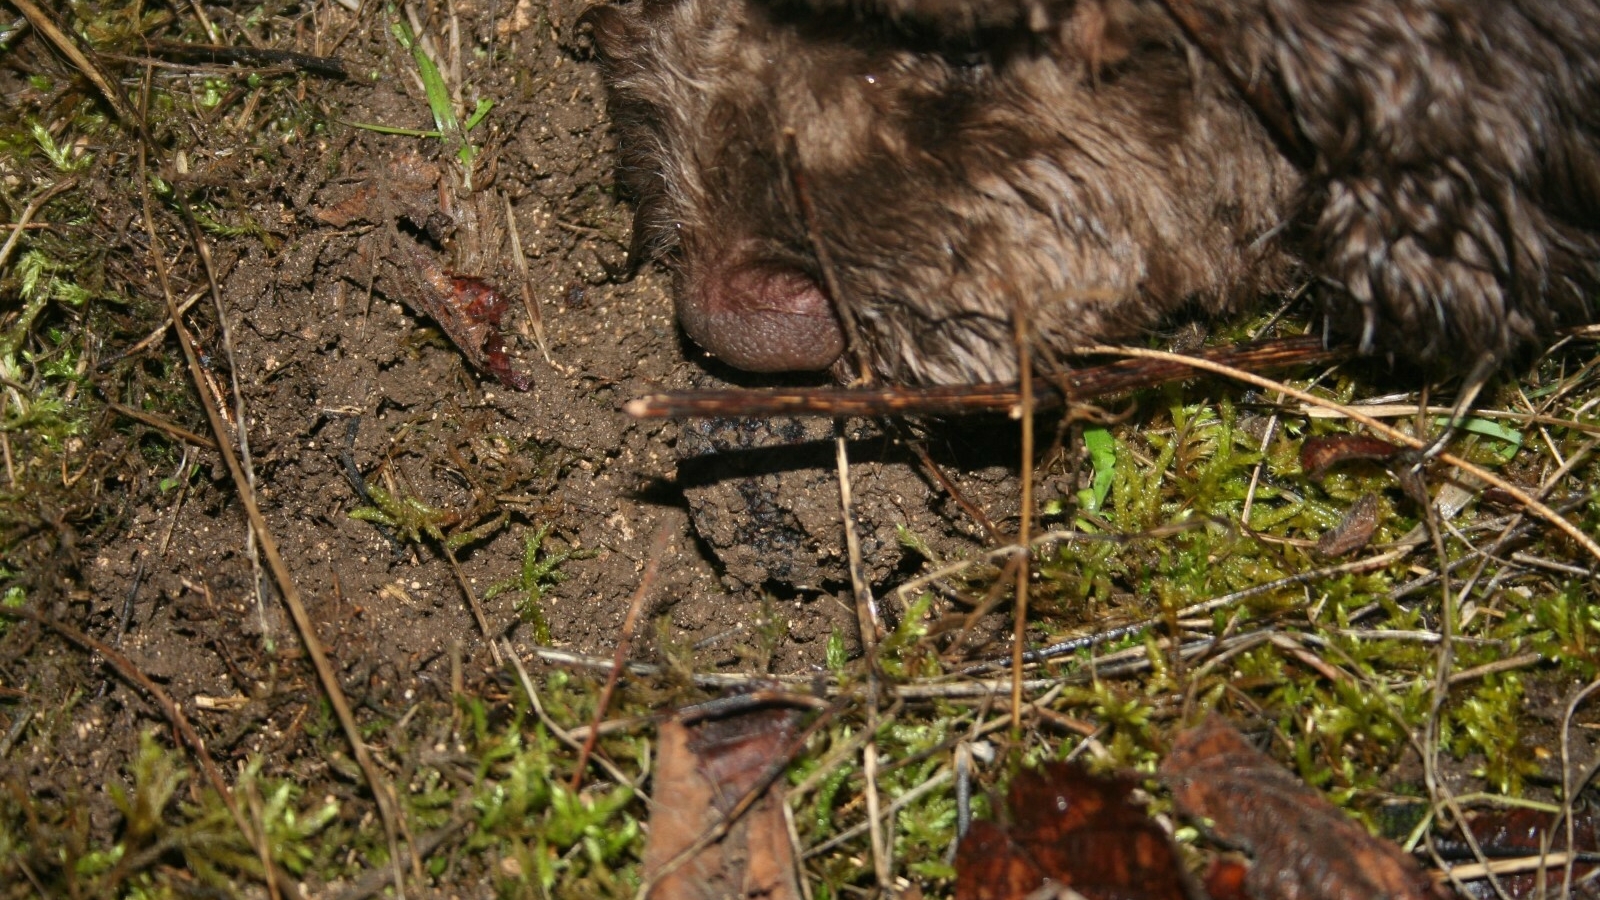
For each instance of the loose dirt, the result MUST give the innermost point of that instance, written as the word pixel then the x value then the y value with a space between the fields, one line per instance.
pixel 342 377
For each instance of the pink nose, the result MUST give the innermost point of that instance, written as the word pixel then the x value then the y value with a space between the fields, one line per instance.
pixel 761 318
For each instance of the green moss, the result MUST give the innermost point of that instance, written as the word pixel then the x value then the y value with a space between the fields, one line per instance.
pixel 540 572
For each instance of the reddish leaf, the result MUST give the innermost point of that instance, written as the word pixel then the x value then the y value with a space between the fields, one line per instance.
pixel 702 773
pixel 1304 847
pixel 1354 530
pixel 467 309
pixel 1318 454
pixel 1073 829
pixel 1509 833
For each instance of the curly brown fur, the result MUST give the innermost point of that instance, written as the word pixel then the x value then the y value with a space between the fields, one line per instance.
pixel 1081 163
pixel 1454 194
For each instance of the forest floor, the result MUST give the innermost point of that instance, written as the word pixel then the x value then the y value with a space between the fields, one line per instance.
pixel 468 554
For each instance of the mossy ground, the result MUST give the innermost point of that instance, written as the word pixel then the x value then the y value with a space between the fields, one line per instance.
pixel 1189 515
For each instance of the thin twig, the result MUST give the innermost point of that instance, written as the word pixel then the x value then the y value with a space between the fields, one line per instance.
pixel 562 734
pixel 1532 503
pixel 381 790
pixel 1058 389
pixel 658 549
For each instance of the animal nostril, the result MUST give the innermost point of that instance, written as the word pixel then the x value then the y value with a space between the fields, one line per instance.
pixel 761 318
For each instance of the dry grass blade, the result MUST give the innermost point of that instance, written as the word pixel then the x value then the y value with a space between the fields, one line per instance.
pixel 630 622
pixel 1573 788
pixel 35 203
pixel 1025 511
pixel 871 628
pixel 1532 503
pixel 64 42
pixel 472 602
pixel 570 738
pixel 1397 410
pixel 382 791
pixel 182 434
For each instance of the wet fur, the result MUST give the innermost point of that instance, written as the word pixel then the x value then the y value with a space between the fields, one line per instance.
pixel 1086 164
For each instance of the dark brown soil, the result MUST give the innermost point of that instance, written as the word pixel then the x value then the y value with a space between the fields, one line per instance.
pixel 333 368
pixel 340 370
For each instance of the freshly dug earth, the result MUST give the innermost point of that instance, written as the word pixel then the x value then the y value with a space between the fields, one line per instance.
pixel 336 365
pixel 342 375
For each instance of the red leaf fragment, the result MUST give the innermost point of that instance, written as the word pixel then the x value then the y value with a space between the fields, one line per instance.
pixel 1304 847
pixel 1520 832
pixel 1353 531
pixel 702 773
pixel 482 303
pixel 1073 829
pixel 468 310
pixel 1318 454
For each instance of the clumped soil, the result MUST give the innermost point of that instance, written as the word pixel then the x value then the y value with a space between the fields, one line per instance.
pixel 334 371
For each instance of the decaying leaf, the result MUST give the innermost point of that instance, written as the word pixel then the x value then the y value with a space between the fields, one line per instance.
pixel 1074 830
pixel 704 770
pixel 1353 531
pixel 468 309
pixel 404 186
pixel 1304 847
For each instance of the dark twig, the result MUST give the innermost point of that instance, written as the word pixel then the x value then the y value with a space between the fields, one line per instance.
pixel 326 66
pixel 1049 393
pixel 658 549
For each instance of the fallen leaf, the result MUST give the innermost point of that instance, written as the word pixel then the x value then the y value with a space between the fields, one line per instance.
pixel 1353 531
pixel 1075 830
pixel 704 770
pixel 1303 847
pixel 403 186
pixel 468 309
